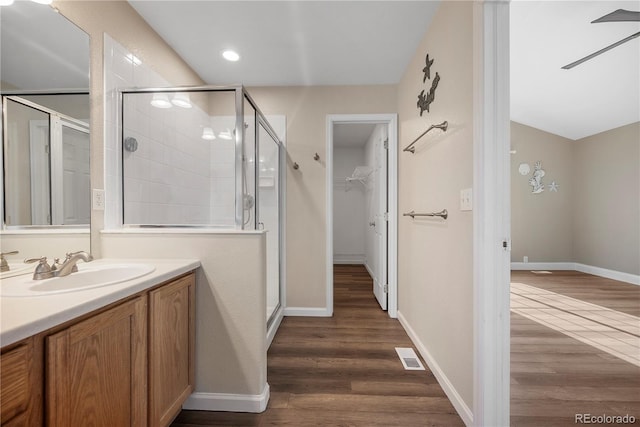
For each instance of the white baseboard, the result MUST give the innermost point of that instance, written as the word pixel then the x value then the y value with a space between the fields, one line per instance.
pixel 455 398
pixel 274 326
pixel 543 266
pixel 307 311
pixel 228 402
pixel 348 259
pixel 633 279
pixel 369 270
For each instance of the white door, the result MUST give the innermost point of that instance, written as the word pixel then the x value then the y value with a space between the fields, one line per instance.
pixel 380 209
pixel 69 173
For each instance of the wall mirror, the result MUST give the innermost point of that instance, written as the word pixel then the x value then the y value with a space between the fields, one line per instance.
pixel 44 79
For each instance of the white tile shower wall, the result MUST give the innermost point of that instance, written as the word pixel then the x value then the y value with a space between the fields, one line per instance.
pixel 175 177
pixel 119 72
pixel 167 179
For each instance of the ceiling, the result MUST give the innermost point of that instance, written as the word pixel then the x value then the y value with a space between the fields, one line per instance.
pixel 360 42
pixel 353 135
pixel 288 43
pixel 598 95
pixel 371 42
pixel 41 50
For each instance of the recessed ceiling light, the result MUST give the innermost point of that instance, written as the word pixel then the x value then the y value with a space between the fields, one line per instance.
pixel 230 55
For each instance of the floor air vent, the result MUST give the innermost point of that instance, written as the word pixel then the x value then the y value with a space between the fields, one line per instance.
pixel 409 359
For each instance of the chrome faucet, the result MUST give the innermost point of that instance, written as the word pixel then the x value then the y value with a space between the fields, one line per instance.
pixel 69 265
pixel 45 271
pixel 4 266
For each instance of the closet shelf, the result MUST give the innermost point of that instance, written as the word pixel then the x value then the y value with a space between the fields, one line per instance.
pixel 361 173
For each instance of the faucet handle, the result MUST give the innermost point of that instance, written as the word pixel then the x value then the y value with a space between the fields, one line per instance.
pixel 43 270
pixel 56 263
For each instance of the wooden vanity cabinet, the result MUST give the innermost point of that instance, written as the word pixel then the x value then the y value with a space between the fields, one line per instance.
pixel 171 349
pixel 96 370
pixel 21 383
pixel 129 364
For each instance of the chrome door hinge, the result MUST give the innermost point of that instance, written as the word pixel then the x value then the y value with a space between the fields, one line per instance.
pixel 386 144
pixel 386 288
pixel 386 216
pixel 506 245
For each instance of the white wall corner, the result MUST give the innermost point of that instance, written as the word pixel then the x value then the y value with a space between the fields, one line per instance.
pixel 456 400
pixel 254 403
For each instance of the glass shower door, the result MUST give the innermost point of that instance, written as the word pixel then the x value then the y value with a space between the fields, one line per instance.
pixel 269 213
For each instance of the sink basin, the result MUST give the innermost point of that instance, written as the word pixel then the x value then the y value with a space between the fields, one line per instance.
pixel 89 277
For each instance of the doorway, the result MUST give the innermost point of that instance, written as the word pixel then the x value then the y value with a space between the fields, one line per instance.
pixel 362 201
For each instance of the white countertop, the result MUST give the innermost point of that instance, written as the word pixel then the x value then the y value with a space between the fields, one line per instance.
pixel 22 317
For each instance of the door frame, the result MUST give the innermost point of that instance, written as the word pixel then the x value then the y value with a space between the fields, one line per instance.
pixel 391 120
pixel 491 214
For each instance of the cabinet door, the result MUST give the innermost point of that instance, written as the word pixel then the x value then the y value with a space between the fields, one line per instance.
pixel 21 383
pixel 96 370
pixel 171 348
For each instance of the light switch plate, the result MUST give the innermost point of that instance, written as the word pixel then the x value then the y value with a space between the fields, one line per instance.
pixel 98 200
pixel 466 199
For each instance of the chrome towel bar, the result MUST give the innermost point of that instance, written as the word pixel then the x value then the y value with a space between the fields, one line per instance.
pixel 442 126
pixel 442 214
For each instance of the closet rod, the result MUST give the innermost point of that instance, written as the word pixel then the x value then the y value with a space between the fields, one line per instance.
pixel 442 126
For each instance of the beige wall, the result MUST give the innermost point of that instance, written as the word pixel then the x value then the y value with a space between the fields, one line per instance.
pixel 435 277
pixel 541 223
pixel 306 110
pixel 606 211
pixel 593 218
pixel 231 323
pixel 120 21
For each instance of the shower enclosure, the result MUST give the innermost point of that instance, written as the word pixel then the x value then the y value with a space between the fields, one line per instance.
pixel 203 157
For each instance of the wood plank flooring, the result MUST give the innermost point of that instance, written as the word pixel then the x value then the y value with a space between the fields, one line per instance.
pixel 342 371
pixel 553 376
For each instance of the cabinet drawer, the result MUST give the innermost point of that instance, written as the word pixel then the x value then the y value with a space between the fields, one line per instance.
pixel 14 369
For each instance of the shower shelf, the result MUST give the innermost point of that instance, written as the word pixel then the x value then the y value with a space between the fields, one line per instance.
pixel 360 174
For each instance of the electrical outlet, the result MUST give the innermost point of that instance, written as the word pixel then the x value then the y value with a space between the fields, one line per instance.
pixel 466 199
pixel 98 199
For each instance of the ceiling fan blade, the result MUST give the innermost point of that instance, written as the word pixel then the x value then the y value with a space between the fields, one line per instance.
pixel 601 51
pixel 619 15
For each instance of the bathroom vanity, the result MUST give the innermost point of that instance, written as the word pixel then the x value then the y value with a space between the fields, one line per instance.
pixel 119 354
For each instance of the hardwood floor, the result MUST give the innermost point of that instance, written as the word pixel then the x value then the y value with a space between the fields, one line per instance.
pixel 342 371
pixel 554 376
